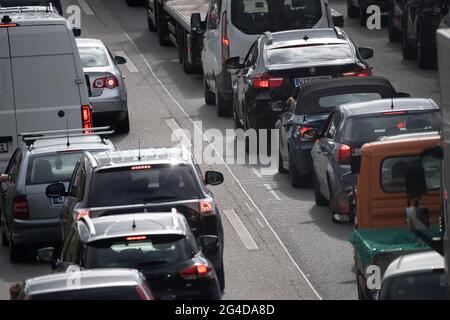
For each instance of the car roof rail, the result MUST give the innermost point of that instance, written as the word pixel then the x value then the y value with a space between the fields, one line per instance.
pixel 269 37
pixel 29 138
pixel 22 9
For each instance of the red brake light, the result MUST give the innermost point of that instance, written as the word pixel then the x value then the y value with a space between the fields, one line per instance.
pixel 106 82
pixel 80 213
pixel 343 154
pixel 8 25
pixel 20 208
pixel 393 113
pixel 225 41
pixel 86 117
pixel 401 125
pixel 302 131
pixel 265 81
pixel 206 207
pixel 136 238
pixel 141 167
pixel 357 73
pixel 197 271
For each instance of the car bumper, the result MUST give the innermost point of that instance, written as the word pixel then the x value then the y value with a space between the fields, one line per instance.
pixel 110 105
pixel 108 118
pixel 301 153
pixel 263 115
pixel 36 232
pixel 198 290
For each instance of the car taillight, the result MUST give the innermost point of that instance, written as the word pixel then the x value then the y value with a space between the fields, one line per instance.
pixel 141 167
pixel 343 154
pixel 86 117
pixel 106 82
pixel 136 238
pixel 357 73
pixel 266 81
pixel 143 293
pixel 302 130
pixel 20 208
pixel 225 42
pixel 198 270
pixel 206 207
pixel 80 213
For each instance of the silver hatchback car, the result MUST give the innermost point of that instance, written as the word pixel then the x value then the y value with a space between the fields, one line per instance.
pixel 28 218
pixel 108 92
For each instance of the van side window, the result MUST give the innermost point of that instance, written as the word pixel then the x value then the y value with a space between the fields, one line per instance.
pixel 214 14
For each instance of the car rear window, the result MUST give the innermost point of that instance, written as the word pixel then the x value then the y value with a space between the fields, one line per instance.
pixel 393 172
pixel 156 183
pixel 417 286
pixel 109 293
pixel 44 169
pixel 338 99
pixel 309 54
pixel 258 16
pixel 359 130
pixel 92 57
pixel 151 251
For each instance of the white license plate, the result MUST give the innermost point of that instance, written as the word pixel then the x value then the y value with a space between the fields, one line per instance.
pixel 57 201
pixel 3 147
pixel 301 81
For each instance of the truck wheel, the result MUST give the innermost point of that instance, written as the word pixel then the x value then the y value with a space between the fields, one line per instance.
pixel 210 97
pixel 150 23
pixel 407 51
pixel 123 126
pixel 362 14
pixel 223 109
pixel 187 67
pixel 352 11
pixel 319 199
pixel 162 26
pixel 425 57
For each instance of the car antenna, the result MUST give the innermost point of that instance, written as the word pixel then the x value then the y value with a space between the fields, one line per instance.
pixel 392 103
pixel 139 155
pixel 68 139
pixel 304 117
pixel 134 223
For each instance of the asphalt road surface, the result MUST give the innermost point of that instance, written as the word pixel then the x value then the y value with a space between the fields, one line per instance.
pixel 278 244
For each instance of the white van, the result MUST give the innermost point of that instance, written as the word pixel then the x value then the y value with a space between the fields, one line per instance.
pixel 233 26
pixel 42 85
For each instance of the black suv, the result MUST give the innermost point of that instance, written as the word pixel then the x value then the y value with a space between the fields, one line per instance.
pixel 160 245
pixel 155 180
pixel 279 63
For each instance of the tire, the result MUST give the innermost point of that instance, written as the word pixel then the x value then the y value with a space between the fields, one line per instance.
pixel 188 68
pixel 407 51
pixel 123 126
pixel 210 97
pixel 425 57
pixel 223 110
pixel 16 254
pixel 362 14
pixel 331 197
pixel 5 241
pixel 294 176
pixel 352 11
pixel 162 27
pixel 319 199
pixel 220 272
pixel 281 169
pixel 152 26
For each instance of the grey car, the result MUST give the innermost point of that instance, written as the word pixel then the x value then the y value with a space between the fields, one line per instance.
pixel 28 218
pixel 108 92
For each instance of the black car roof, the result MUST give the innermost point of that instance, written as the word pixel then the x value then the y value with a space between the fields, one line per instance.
pixel 304 36
pixel 384 105
pixel 310 92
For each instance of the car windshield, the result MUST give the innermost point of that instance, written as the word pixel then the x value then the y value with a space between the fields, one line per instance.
pixel 359 130
pixel 150 251
pixel 110 293
pixel 421 286
pixel 309 54
pixel 92 57
pixel 50 168
pixel 259 16
pixel 338 99
pixel 147 184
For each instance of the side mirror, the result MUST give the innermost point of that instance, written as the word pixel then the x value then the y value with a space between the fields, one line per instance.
pixel 311 134
pixel 208 242
pixel 233 63
pixel 76 32
pixel 55 190
pixel 365 52
pixel 278 106
pixel 4 177
pixel 213 178
pixel 46 254
pixel 402 95
pixel 120 60
pixel 196 23
pixel 416 186
pixel 338 20
pixel 350 178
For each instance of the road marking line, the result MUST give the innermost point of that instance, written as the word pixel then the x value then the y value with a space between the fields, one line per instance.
pixel 258 174
pixel 291 258
pixel 130 65
pixel 260 223
pixel 241 230
pixel 269 188
pixel 86 8
pixel 248 206
pixel 173 125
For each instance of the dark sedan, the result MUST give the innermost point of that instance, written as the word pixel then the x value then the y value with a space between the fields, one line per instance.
pixel 315 101
pixel 348 127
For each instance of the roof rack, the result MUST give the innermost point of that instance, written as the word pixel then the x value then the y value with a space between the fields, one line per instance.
pixel 30 137
pixel 21 9
pixel 269 37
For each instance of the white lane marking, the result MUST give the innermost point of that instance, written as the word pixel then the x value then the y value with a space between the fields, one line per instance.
pixel 227 167
pixel 260 223
pixel 183 138
pixel 130 65
pixel 256 171
pixel 248 206
pixel 269 188
pixel 86 8
pixel 241 230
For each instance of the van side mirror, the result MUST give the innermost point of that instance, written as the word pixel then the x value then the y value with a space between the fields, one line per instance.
pixel 213 178
pixel 76 32
pixel 208 243
pixel 196 23
pixel 234 63
pixel 56 190
pixel 365 52
pixel 120 60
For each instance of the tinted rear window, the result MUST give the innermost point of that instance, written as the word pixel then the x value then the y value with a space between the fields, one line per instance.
pixel 258 16
pixel 338 99
pixel 92 57
pixel 359 130
pixel 110 293
pixel 51 168
pixel 309 54
pixel 422 286
pixel 154 251
pixel 125 186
